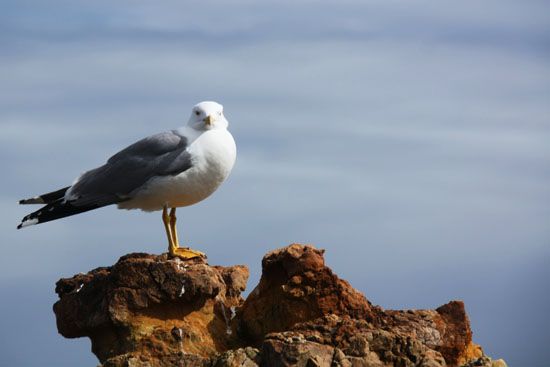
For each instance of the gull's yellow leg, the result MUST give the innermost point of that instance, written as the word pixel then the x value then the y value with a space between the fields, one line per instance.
pixel 173 227
pixel 166 221
pixel 175 250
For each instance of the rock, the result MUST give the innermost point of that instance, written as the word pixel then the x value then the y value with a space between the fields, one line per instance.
pixel 294 351
pixel 147 308
pixel 149 311
pixel 498 363
pixel 296 286
pixel 242 357
pixel 485 361
pixel 446 330
pixel 360 343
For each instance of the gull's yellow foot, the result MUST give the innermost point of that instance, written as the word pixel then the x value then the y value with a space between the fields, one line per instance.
pixel 186 253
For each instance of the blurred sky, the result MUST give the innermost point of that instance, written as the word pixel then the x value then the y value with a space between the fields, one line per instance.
pixel 411 140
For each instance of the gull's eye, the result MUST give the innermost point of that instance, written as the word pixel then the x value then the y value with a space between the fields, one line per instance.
pixel 197 113
pixel 220 113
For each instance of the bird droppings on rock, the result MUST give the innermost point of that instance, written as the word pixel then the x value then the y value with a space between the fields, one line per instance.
pixel 300 314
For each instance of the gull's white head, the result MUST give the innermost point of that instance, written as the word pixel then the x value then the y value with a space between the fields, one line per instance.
pixel 207 115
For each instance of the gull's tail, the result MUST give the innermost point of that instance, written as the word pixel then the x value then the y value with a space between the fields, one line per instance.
pixel 52 211
pixel 56 207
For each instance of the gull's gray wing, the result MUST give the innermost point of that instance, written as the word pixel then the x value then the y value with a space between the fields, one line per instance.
pixel 157 155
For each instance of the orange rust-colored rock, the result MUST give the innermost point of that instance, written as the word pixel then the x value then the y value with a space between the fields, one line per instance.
pixel 454 327
pixel 149 310
pixel 296 286
pixel 445 330
pixel 152 307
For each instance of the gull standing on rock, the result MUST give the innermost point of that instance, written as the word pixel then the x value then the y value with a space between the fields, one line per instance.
pixel 168 170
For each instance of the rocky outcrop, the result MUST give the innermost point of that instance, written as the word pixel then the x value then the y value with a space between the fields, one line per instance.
pixel 296 286
pixel 149 310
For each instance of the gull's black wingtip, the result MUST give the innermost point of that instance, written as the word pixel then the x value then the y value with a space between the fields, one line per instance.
pixel 35 200
pixel 48 198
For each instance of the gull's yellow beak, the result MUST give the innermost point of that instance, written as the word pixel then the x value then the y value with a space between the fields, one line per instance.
pixel 208 120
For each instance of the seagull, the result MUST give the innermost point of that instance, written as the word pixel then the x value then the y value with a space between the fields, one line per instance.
pixel 164 171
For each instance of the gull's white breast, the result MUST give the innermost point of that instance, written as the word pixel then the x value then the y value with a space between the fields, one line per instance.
pixel 213 155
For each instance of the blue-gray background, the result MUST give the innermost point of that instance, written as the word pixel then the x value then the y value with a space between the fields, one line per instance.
pixel 408 139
